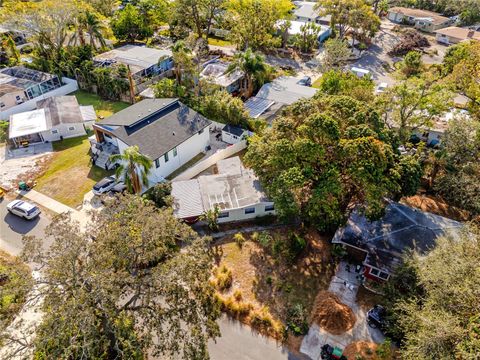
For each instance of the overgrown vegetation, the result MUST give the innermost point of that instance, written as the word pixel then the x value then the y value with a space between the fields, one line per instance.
pixel 15 282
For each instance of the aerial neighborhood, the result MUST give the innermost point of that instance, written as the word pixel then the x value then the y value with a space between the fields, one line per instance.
pixel 239 179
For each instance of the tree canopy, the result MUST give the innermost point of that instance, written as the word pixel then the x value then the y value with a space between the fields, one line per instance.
pixel 252 22
pixel 325 156
pixel 124 289
pixel 440 318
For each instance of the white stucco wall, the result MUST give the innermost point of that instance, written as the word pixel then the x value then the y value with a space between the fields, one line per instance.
pixel 230 138
pixel 239 214
pixel 185 152
pixel 65 131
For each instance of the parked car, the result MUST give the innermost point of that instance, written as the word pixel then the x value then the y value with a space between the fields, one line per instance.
pixel 376 317
pixel 305 81
pixel 119 188
pixel 23 209
pixel 381 88
pixel 104 185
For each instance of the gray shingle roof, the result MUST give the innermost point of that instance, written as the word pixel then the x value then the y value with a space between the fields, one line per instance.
pixel 285 90
pixel 156 125
pixel 400 230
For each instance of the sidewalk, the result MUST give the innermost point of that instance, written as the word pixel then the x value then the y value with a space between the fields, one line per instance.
pixel 56 206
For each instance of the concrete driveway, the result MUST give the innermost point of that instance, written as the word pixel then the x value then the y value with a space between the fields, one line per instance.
pixel 345 285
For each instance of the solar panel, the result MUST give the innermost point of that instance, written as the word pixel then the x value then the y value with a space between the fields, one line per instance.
pixel 257 106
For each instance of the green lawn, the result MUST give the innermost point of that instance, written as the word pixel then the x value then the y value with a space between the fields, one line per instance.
pixel 70 175
pixel 316 83
pixel 104 108
pixel 219 42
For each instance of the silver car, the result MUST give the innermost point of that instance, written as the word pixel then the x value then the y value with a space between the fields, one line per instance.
pixel 23 209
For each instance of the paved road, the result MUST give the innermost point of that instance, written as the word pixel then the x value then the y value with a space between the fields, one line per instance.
pixel 238 341
pixel 12 229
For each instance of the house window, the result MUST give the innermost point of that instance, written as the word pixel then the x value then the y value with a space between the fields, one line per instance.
pixel 250 210
pixel 2 105
pixel 383 275
pixel 107 136
pixel 157 163
pixel 269 207
pixel 223 215
pixel 374 272
pixel 166 157
pixel 201 131
pixel 174 151
pixel 71 128
pixel 18 97
pixel 54 132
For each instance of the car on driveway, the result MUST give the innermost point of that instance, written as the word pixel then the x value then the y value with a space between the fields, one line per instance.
pixel 119 188
pixel 305 81
pixel 23 209
pixel 376 317
pixel 104 185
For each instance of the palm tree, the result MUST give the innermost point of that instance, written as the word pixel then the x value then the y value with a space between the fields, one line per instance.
pixel 94 28
pixel 134 168
pixel 252 65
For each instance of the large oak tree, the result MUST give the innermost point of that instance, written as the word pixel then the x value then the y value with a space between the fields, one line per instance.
pixel 135 283
pixel 325 156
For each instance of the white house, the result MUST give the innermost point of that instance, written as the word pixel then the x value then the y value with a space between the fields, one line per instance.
pixel 232 134
pixel 305 12
pixel 454 35
pixel 165 130
pixel 21 88
pixel 274 96
pixel 55 118
pixel 235 191
pixel 423 20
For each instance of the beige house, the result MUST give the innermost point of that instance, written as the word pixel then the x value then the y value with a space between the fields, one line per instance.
pixel 423 20
pixel 454 35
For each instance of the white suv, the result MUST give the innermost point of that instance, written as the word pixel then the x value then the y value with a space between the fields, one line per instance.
pixel 23 209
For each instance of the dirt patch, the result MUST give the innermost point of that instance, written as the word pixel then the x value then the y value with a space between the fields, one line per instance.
pixel 331 314
pixel 270 282
pixel 364 349
pixel 436 206
pixel 367 299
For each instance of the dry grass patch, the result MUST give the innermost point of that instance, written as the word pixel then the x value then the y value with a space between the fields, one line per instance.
pixel 268 281
pixel 436 206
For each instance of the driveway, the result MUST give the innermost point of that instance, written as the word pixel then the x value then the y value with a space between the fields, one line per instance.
pixel 345 285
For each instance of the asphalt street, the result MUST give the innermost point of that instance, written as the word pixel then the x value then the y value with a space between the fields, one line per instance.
pixel 12 229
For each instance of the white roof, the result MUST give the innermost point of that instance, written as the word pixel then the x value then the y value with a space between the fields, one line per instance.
pixel 88 113
pixel 285 90
pixel 216 72
pixel 27 123
pixel 360 70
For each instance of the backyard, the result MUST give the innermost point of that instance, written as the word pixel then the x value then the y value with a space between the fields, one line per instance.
pixel 103 108
pixel 270 279
pixel 70 175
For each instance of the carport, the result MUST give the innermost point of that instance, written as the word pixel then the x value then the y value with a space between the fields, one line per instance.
pixel 26 128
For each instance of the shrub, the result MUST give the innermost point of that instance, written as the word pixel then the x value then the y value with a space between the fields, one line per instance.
pixel 3 130
pixel 264 220
pixel 297 320
pixel 160 194
pixel 239 240
pixel 297 244
pixel 224 278
pixel 237 294
pixel 255 236
pixel 265 239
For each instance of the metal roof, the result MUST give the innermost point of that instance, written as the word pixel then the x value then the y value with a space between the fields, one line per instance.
pixel 285 90
pixel 27 123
